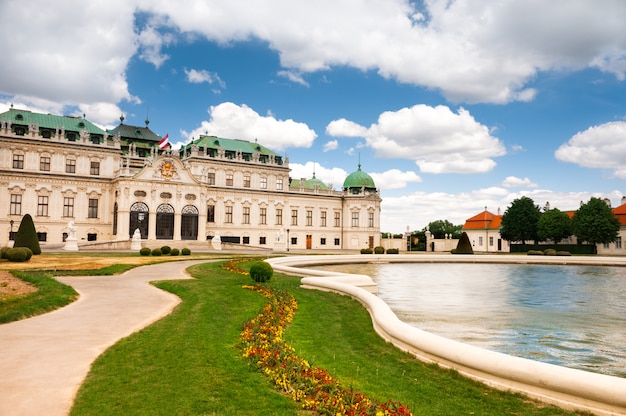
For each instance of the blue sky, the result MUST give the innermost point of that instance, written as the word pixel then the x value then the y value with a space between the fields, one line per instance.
pixel 451 106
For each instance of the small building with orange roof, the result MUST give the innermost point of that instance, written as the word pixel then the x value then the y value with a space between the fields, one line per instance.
pixel 483 230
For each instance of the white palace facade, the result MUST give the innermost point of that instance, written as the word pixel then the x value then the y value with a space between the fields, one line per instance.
pixel 64 170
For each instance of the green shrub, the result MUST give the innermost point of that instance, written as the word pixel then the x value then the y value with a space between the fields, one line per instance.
pixel 174 252
pixel 156 252
pixel 549 252
pixel 464 246
pixel 185 251
pixel 535 253
pixel 366 251
pixel 379 250
pixel 392 251
pixel 26 235
pixel 145 251
pixel 563 253
pixel 261 271
pixel 3 252
pixel 166 250
pixel 18 254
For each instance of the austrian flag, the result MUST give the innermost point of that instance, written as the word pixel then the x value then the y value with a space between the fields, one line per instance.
pixel 164 142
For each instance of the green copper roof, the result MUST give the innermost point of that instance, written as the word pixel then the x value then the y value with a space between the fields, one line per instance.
pixel 232 145
pixel 359 179
pixel 49 121
pixel 311 184
pixel 135 134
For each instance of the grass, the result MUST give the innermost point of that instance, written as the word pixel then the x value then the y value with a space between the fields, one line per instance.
pixel 189 363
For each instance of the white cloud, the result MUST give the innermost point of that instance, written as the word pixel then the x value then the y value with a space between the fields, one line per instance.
pixel 394 179
pixel 331 145
pixel 515 182
pixel 437 139
pixel 330 176
pixel 151 43
pixel 196 76
pixel 602 146
pixel 241 122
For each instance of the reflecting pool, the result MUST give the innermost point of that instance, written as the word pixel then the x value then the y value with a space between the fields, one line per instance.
pixel 572 316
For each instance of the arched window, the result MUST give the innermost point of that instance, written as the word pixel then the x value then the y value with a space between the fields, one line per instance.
pixel 165 222
pixel 115 219
pixel 139 219
pixel 189 223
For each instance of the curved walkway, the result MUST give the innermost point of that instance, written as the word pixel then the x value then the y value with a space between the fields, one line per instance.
pixel 44 359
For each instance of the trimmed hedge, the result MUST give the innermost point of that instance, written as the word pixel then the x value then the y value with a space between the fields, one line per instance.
pixel 261 271
pixel 185 251
pixel 19 254
pixel 174 252
pixel 166 250
pixel 156 252
pixel 393 251
pixel 464 246
pixel 366 251
pixel 26 235
pixel 145 251
pixel 379 250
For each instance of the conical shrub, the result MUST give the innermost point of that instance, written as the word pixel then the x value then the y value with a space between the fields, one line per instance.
pixel 26 235
pixel 464 245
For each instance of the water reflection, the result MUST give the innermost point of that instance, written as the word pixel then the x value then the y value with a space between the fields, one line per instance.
pixel 573 316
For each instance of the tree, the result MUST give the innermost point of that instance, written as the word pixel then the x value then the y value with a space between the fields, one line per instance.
pixel 440 228
pixel 519 222
pixel 26 235
pixel 464 246
pixel 595 223
pixel 554 225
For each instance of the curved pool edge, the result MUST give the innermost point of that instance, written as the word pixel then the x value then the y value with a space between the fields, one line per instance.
pixel 565 387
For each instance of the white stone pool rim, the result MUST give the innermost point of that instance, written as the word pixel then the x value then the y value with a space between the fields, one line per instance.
pixel 565 387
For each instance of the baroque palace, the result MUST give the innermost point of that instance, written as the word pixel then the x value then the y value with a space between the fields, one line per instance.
pixel 68 173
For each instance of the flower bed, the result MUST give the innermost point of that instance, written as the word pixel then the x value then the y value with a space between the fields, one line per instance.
pixel 313 387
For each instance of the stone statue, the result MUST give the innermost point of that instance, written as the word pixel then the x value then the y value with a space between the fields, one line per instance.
pixel 216 242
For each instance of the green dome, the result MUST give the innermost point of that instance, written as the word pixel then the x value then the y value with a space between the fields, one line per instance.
pixel 358 180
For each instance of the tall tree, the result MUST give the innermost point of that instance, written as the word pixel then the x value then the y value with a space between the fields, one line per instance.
pixel 519 222
pixel 554 225
pixel 595 223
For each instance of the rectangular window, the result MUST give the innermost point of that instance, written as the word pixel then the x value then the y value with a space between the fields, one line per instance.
pixel 68 207
pixel 18 161
pixel 337 219
pixel 294 217
pixel 210 213
pixel 246 215
pixel 490 241
pixel 322 241
pixel 336 241
pixel 309 218
pixel 42 206
pixel 323 219
pixel 355 219
pixel 262 241
pixel 44 163
pixel 16 204
pixel 246 240
pixel 229 215
pixel 229 179
pixel 94 168
pixel 370 219
pixel 210 178
pixel 618 242
pixel 70 166
pixel 279 184
pixel 246 181
pixel 263 183
pixel 480 241
pixel 263 216
pixel 42 237
pixel 95 139
pixel 92 236
pixel 294 241
pixel 279 216
pixel 92 211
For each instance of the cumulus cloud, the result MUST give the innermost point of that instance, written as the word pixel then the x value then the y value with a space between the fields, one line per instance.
pixel 436 138
pixel 485 51
pixel 241 122
pixel 602 146
pixel 394 179
pixel 515 182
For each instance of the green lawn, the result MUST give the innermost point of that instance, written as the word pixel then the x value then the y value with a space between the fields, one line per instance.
pixel 189 362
